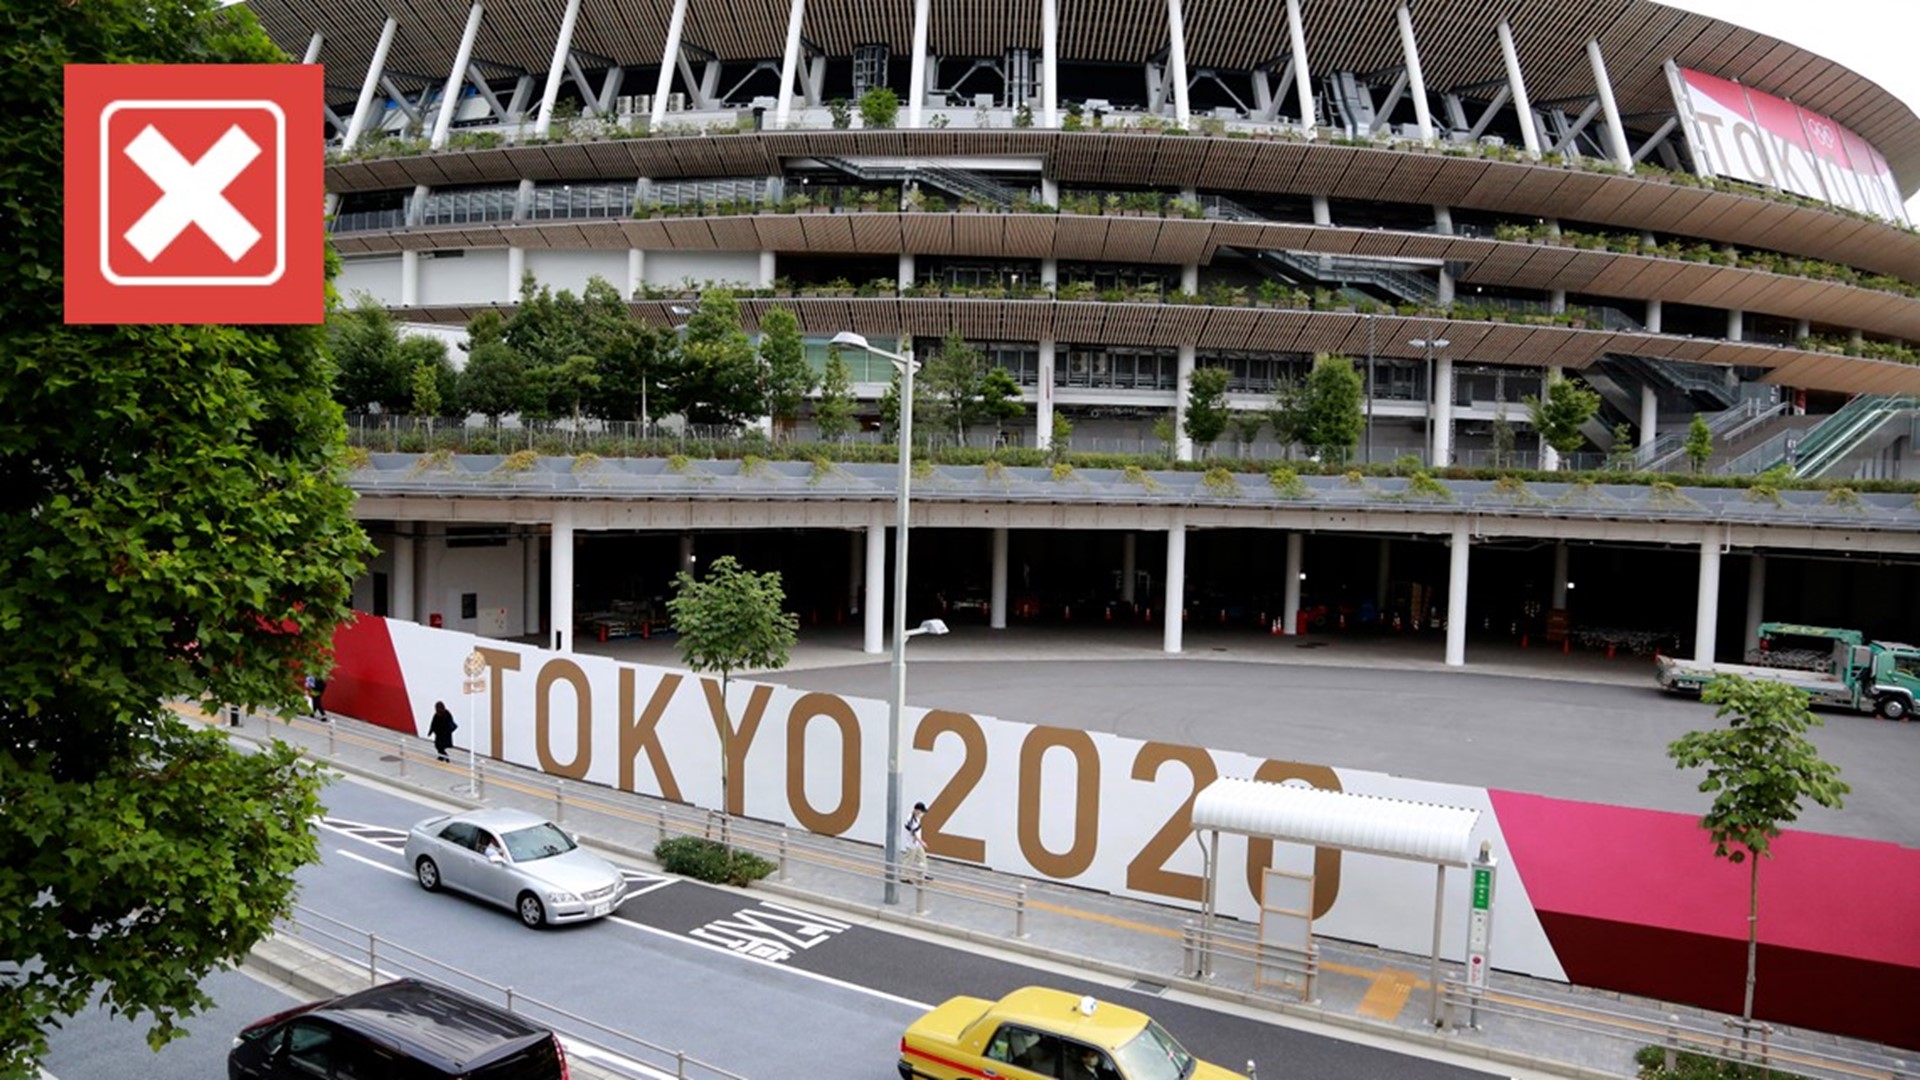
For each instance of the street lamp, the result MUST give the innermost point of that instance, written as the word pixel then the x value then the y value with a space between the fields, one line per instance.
pixel 1430 346
pixel 897 706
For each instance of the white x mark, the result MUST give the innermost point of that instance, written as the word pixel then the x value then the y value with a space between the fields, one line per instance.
pixel 192 193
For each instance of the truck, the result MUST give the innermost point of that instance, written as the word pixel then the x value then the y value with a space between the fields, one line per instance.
pixel 1865 676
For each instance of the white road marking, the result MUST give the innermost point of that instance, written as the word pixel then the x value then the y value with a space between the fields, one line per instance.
pixel 585 1051
pixel 720 950
pixel 373 863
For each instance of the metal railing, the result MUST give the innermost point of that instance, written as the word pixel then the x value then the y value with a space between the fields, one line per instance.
pixel 1856 422
pixel 1727 424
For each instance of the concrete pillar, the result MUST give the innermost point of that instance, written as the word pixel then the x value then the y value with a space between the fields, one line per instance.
pixel 1050 63
pixel 1177 63
pixel 1443 222
pixel 1649 415
pixel 427 546
pixel 1050 268
pixel 1416 79
pixel 1756 599
pixel 686 553
pixel 1182 445
pixel 1706 616
pixel 557 70
pixel 766 269
pixel 906 271
pixel 875 607
pixel 409 278
pixel 997 600
pixel 669 59
pixel 1043 397
pixel 636 271
pixel 1383 580
pixel 1302 76
pixel 1442 449
pixel 1560 576
pixel 400 589
pixel 1190 278
pixel 1457 551
pixel 1050 195
pixel 363 109
pixel 561 621
pixel 1322 212
pixel 516 269
pixel 530 583
pixel 1290 604
pixel 917 71
pixel 456 80
pixel 1444 294
pixel 1518 85
pixel 1557 301
pixel 1175 601
pixel 1736 324
pixel 1802 329
pixel 789 63
pixel 1655 313
pixel 1129 569
pixel 1616 133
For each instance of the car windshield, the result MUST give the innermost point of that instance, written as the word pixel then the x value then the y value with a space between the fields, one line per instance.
pixel 1154 1055
pixel 539 842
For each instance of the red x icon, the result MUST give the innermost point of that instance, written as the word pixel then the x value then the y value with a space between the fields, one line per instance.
pixel 194 194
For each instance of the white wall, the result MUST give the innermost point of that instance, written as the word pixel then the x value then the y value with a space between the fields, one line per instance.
pixel 570 269
pixel 675 267
pixel 495 574
pixel 376 275
pixel 478 277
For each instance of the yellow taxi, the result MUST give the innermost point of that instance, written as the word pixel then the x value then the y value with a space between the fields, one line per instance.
pixel 1042 1034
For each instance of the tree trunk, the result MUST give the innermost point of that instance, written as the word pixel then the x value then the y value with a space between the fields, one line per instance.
pixel 1753 933
pixel 726 754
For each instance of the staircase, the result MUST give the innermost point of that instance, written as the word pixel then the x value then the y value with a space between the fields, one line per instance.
pixel 959 183
pixel 1337 271
pixel 1667 451
pixel 1702 384
pixel 1828 443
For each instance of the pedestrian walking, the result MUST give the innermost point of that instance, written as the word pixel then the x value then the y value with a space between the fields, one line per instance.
pixel 317 690
pixel 442 727
pixel 916 844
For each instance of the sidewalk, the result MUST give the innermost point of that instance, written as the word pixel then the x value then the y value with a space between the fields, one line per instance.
pixel 1368 993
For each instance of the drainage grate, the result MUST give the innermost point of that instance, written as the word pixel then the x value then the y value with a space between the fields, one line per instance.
pixel 1141 986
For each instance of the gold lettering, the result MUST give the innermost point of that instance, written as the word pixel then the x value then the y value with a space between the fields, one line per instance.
pixel 841 818
pixel 973 766
pixel 499 662
pixel 735 742
pixel 1086 802
pixel 1326 861
pixel 1148 871
pixel 641 734
pixel 566 671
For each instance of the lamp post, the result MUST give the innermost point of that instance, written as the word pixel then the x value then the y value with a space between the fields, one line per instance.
pixel 1430 346
pixel 896 706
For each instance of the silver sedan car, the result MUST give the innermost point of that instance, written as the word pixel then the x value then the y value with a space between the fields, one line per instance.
pixel 517 860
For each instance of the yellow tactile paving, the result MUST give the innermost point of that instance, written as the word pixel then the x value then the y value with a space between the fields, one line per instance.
pixel 1388 994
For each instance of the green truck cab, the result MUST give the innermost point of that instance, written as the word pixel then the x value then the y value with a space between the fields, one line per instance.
pixel 1865 676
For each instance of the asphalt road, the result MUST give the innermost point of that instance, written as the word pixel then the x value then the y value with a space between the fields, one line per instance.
pixel 1593 742
pixel 96 1045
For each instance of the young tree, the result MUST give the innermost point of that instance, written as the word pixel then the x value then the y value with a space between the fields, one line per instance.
pixel 1206 407
pixel 715 375
pixel 495 381
pixel 833 413
pixel 418 352
pixel 1246 426
pixel 1286 413
pixel 572 382
pixel 365 344
pixel 951 380
pixel 1558 418
pixel 1699 444
pixel 426 394
pixel 175 527
pixel 783 356
pixel 1062 435
pixel 1761 768
pixel 1163 432
pixel 1331 420
pixel 732 620
pixel 1620 457
pixel 999 399
pixel 1503 437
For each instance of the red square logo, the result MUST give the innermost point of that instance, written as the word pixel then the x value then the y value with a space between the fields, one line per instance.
pixel 194 193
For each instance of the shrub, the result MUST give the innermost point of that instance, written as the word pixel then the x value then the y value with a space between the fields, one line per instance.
pixel 1690 1066
pixel 708 860
pixel 1286 483
pixel 1220 482
pixel 879 107
pixel 1134 474
pixel 520 461
pixel 1423 487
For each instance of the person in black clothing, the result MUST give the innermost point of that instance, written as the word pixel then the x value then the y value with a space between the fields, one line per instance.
pixel 442 727
pixel 317 688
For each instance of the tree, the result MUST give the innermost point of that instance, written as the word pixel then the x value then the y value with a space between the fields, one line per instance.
pixel 1761 768
pixel 1206 407
pixel 495 381
pixel 1285 413
pixel 1558 417
pixel 175 527
pixel 833 413
pixel 572 382
pixel 783 356
pixel 999 399
pixel 1503 437
pixel 1246 425
pixel 366 349
pixel 1620 456
pixel 625 353
pixel 714 376
pixel 1331 421
pixel 423 353
pixel 731 621
pixel 950 380
pixel 1699 444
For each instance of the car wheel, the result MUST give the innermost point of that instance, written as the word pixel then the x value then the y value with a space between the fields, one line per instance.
pixel 531 913
pixel 428 873
pixel 1894 708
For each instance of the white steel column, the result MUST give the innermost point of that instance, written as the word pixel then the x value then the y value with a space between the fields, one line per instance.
pixel 1457 551
pixel 686 552
pixel 1176 583
pixel 767 267
pixel 1616 135
pixel 1518 85
pixel 1043 397
pixel 1706 615
pixel 561 620
pixel 1442 448
pixel 1177 63
pixel 789 62
pixel 1182 444
pixel 375 68
pixel 1129 564
pixel 1649 415
pixel 1290 603
pixel 1302 78
pixel 1655 311
pixel 997 600
pixel 313 47
pixel 1560 576
pixel 917 71
pixel 874 607
pixel 516 269
pixel 676 24
pixel 1050 62
pixel 636 271
pixel 1756 599
pixel 530 583
pixel 557 70
pixel 1736 324
pixel 409 277
pixel 400 590
pixel 456 79
pixel 905 274
pixel 1416 79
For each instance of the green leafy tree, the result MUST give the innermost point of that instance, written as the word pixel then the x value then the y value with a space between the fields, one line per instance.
pixel 950 381
pixel 365 344
pixel 1620 456
pixel 1247 425
pixel 1504 440
pixel 731 620
pixel 1163 432
pixel 833 413
pixel 1761 769
pixel 879 107
pixel 1566 408
pixel 999 399
pixel 783 356
pixel 1331 420
pixel 423 353
pixel 1699 444
pixel 175 526
pixel 890 405
pixel 1207 412
pixel 715 375
pixel 1286 413
pixel 495 381
pixel 573 381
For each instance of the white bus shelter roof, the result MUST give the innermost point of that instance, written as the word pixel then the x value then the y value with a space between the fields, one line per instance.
pixel 1427 832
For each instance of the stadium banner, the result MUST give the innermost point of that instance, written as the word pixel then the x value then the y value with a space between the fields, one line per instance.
pixel 1744 134
pixel 1604 896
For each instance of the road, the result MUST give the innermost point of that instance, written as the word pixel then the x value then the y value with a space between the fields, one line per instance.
pixel 743 981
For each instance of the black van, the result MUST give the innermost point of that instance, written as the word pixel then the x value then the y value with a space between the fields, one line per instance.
pixel 403 1030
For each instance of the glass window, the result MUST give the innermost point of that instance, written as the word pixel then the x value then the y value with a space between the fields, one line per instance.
pixel 459 834
pixel 1025 1048
pixel 539 842
pixel 311 1047
pixel 1154 1055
